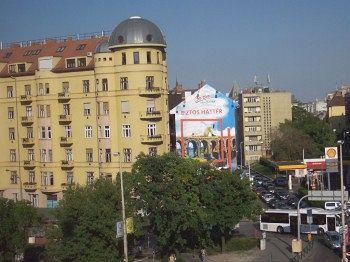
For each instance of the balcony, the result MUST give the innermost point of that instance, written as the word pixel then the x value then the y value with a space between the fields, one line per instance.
pixel 27 141
pixel 28 164
pixel 155 139
pixel 30 186
pixel 150 91
pixel 63 97
pixel 66 141
pixel 151 114
pixel 49 189
pixel 66 186
pixel 25 99
pixel 67 164
pixel 27 120
pixel 65 119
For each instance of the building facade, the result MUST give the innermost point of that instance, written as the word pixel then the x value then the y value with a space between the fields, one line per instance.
pixel 74 110
pixel 260 112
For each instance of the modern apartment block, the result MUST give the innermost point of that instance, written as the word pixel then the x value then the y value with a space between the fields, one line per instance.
pixel 73 110
pixel 260 112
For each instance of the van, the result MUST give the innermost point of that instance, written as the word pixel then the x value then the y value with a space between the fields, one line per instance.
pixel 332 205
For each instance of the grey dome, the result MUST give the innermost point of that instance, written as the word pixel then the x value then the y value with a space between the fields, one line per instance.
pixel 136 31
pixel 102 47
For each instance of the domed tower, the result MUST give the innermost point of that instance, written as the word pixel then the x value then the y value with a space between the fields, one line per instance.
pixel 139 82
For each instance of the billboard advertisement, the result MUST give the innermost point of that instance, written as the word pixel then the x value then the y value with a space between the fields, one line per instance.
pixel 205 124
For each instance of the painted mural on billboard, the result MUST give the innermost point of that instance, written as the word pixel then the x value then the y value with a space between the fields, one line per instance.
pixel 206 125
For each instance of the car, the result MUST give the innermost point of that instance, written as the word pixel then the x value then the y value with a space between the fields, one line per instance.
pixel 267 197
pixel 281 181
pixel 282 193
pixel 271 189
pixel 332 206
pixel 333 240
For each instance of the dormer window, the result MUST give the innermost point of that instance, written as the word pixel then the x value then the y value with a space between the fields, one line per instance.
pixel 81 62
pixel 70 63
pixel 60 49
pixel 81 47
pixel 8 54
pixel 12 68
pixel 21 68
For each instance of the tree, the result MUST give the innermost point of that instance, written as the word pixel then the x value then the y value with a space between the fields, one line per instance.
pixel 86 224
pixel 288 143
pixel 186 204
pixel 15 220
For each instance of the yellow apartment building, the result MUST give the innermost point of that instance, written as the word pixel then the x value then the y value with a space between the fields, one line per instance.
pixel 73 110
pixel 260 112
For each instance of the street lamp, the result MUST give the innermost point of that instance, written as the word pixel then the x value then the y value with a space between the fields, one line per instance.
pixel 125 237
pixel 340 143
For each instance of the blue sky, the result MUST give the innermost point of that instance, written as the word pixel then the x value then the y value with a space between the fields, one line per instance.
pixel 303 45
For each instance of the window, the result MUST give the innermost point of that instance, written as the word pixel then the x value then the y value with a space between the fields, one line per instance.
pixel 69 154
pixel 87 110
pixel 11 133
pixel 30 132
pixel 50 155
pixel 150 106
pixel 70 63
pixel 86 86
pixel 27 90
pixel 43 155
pixel 67 131
pixel 89 155
pixel 105 106
pixel 80 47
pixel 104 84
pixel 49 134
pixel 48 111
pixel 123 58
pixel 88 131
pixel 70 178
pixel 136 58
pixel 42 132
pixel 65 87
pixel 149 61
pixel 125 107
pixel 108 155
pixel 31 155
pixel 21 68
pixel 127 155
pixel 34 199
pixel 126 130
pixel 47 88
pixel 28 110
pixel 13 177
pixel 152 151
pixel 66 109
pixel 41 111
pixel 81 62
pixel 12 68
pixel 12 155
pixel 10 113
pixel 275 218
pixel 8 54
pixel 89 178
pixel 149 82
pixel 157 57
pixel 41 89
pixel 9 91
pixel 31 177
pixel 47 179
pixel 123 83
pixel 151 130
pixel 107 132
pixel 60 49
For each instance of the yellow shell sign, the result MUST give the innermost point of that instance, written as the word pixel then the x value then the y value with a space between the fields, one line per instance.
pixel 331 152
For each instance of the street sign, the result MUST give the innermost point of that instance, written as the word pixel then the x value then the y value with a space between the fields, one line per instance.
pixel 129 225
pixel 331 165
pixel 309 216
pixel 331 152
pixel 119 229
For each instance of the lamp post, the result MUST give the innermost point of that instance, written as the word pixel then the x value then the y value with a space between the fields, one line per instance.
pixel 125 237
pixel 298 215
pixel 340 143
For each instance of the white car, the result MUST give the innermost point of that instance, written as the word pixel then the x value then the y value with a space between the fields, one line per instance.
pixel 267 197
pixel 332 206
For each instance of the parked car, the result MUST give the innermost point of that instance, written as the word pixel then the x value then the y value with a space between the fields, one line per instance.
pixel 332 205
pixel 267 197
pixel 282 193
pixel 333 240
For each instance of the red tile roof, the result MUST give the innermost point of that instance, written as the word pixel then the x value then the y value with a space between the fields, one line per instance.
pixel 31 53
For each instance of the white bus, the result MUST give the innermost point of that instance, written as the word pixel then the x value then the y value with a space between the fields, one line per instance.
pixel 280 220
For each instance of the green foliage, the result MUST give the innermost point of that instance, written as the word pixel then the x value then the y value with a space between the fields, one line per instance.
pixel 302 191
pixel 263 167
pixel 305 131
pixel 86 224
pixel 15 220
pixel 187 204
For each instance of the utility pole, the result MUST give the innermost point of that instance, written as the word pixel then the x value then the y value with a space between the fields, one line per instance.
pixel 340 143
